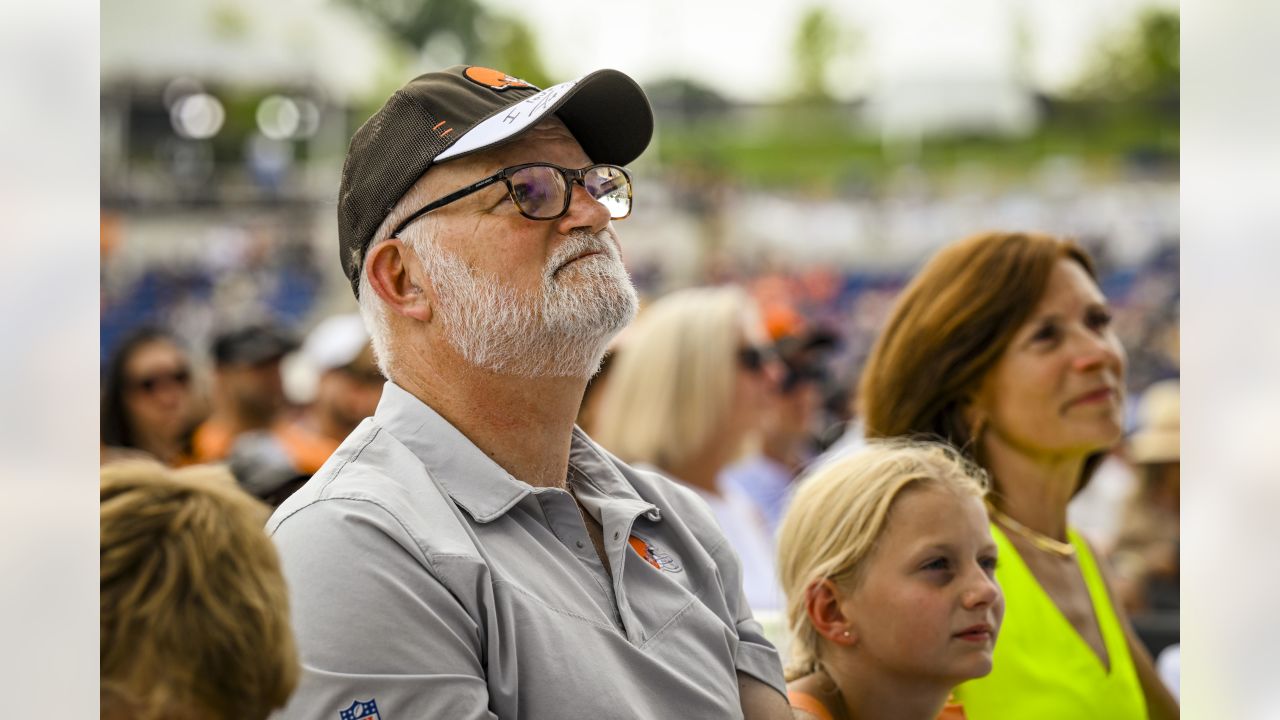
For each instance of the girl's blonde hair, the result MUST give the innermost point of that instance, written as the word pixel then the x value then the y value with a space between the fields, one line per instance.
pixel 671 385
pixel 839 513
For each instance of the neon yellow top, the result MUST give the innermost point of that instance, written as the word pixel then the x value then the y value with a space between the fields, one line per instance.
pixel 1042 668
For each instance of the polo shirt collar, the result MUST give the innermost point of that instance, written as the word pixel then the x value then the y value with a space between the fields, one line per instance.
pixel 607 475
pixel 470 477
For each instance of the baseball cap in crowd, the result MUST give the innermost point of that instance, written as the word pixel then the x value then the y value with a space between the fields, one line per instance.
pixel 452 113
pixel 335 342
pixel 252 345
pixel 1158 434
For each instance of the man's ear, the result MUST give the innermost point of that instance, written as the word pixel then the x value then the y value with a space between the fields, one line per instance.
pixel 395 273
pixel 824 603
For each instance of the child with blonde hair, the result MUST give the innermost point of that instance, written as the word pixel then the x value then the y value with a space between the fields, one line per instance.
pixel 888 565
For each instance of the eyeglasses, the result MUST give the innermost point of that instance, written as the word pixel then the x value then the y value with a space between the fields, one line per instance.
pixel 542 191
pixel 796 376
pixel 755 357
pixel 151 383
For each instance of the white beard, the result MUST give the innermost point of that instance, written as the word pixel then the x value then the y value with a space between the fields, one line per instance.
pixel 562 332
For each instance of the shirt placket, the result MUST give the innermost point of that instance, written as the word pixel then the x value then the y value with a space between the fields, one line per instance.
pixel 618 519
pixel 565 520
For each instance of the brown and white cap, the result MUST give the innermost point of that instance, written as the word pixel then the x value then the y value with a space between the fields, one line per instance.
pixel 448 114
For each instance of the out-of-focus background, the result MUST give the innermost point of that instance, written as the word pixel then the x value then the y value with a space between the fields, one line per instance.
pixel 878 130
pixel 814 153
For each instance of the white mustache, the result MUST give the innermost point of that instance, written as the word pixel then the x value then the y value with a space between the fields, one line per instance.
pixel 579 242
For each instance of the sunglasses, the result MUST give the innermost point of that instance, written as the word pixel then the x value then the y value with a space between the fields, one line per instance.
pixel 542 191
pixel 796 377
pixel 152 383
pixel 756 357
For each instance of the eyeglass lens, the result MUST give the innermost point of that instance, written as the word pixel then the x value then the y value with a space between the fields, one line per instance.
pixel 540 190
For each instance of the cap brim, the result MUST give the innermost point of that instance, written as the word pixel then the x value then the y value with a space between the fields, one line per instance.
pixel 606 111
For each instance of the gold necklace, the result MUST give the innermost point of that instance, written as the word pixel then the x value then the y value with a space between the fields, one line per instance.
pixel 1040 540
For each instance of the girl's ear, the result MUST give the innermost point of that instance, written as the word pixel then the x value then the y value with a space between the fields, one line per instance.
pixel 825 604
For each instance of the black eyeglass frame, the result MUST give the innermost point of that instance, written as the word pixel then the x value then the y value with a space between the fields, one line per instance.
pixel 570 177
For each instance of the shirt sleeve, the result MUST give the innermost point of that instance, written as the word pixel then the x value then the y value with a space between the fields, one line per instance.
pixel 372 622
pixel 755 656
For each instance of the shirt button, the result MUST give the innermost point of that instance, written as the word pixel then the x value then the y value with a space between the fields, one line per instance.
pixel 580 545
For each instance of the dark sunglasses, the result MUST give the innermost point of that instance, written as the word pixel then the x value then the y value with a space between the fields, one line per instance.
pixel 756 357
pixel 152 383
pixel 796 376
pixel 542 191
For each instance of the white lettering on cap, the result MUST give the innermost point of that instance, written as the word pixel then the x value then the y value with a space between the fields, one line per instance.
pixel 508 121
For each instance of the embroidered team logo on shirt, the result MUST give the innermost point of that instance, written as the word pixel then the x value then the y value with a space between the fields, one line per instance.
pixel 653 556
pixel 361 710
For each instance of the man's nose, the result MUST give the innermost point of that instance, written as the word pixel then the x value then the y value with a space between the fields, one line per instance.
pixel 585 212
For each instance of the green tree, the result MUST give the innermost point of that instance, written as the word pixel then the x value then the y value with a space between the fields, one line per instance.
pixel 510 46
pixel 415 22
pixel 814 46
pixel 1139 65
pixel 502 42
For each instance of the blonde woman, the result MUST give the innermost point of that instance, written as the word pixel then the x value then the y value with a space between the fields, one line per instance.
pixel 888 566
pixel 194 610
pixel 685 396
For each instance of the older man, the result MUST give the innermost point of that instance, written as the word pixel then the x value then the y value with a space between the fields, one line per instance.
pixel 467 552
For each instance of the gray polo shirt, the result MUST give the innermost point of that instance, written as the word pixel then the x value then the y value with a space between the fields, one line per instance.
pixel 428 581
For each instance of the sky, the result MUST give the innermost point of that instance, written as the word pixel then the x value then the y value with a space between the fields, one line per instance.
pixel 747 53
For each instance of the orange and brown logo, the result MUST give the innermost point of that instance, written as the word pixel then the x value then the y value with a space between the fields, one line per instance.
pixel 654 556
pixel 494 79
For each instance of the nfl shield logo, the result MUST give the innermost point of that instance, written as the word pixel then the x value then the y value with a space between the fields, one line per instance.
pixel 361 710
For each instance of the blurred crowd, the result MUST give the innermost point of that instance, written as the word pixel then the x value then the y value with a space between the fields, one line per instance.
pixel 155 404
pixel 272 402
pixel 735 390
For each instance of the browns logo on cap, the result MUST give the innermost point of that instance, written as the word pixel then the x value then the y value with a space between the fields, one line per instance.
pixel 495 79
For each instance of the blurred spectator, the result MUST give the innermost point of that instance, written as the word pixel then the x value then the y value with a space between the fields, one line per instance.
pixel 790 424
pixel 685 396
pixel 1146 553
pixel 194 609
pixel 1097 510
pixel 273 463
pixel 248 392
pixel 1169 665
pixel 148 404
pixel 347 390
